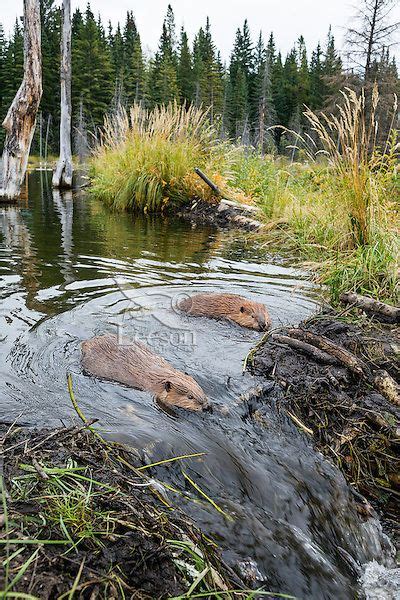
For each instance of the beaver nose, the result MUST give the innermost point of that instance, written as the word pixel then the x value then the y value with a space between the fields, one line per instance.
pixel 261 322
pixel 207 407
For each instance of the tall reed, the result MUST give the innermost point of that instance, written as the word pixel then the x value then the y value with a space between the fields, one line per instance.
pixel 364 169
pixel 146 158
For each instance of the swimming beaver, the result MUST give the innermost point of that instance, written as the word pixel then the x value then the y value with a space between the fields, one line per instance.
pixel 232 307
pixel 137 366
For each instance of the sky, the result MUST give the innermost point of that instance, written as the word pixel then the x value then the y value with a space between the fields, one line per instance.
pixel 288 19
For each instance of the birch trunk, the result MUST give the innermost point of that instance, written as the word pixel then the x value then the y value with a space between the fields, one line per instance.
pixel 62 177
pixel 20 120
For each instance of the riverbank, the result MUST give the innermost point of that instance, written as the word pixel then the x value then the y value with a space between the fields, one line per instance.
pixel 336 376
pixel 81 517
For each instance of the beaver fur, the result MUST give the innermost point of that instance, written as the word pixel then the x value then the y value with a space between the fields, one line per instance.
pixel 232 307
pixel 135 365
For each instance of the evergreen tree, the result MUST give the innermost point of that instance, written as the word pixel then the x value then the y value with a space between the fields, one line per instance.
pixel 116 45
pixel 51 35
pixel 133 61
pixel 317 86
pixel 185 70
pixel 163 77
pixel 332 68
pixel 207 72
pixel 241 74
pixel 92 81
pixel 303 75
pixel 264 109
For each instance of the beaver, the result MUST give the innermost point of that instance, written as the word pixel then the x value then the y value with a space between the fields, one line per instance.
pixel 136 366
pixel 232 307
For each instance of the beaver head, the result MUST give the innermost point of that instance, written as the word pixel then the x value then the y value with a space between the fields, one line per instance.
pixel 182 390
pixel 252 315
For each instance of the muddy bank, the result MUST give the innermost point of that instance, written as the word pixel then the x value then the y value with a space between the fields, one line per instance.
pixel 225 214
pixel 79 516
pixel 334 393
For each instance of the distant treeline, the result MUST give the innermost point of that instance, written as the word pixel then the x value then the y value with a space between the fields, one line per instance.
pixel 257 89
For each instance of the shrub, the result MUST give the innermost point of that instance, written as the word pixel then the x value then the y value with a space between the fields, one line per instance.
pixel 146 158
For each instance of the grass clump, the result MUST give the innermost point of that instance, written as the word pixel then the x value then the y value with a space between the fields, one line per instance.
pixel 146 159
pixel 81 517
pixel 339 207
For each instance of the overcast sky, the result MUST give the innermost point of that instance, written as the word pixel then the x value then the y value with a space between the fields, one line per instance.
pixel 288 19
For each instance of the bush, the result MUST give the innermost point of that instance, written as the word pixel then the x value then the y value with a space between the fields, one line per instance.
pixel 146 159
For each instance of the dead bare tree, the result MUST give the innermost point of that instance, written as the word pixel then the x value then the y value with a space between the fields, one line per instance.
pixel 373 32
pixel 20 120
pixel 62 177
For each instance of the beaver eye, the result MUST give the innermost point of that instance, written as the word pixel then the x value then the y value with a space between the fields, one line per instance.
pixel 190 397
pixel 242 309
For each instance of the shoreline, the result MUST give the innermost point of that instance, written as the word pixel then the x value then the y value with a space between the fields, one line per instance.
pixel 344 413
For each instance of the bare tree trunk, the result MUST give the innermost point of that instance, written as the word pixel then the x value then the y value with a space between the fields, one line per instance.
pixel 20 120
pixel 62 177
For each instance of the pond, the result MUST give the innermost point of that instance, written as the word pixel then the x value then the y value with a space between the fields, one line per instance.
pixel 71 269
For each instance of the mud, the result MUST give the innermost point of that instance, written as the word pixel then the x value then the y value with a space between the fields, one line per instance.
pixel 117 542
pixel 346 418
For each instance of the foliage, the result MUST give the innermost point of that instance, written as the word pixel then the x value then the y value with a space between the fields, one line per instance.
pixel 259 88
pixel 340 207
pixel 147 158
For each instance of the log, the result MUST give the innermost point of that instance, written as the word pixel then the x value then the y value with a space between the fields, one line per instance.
pixel 380 310
pixel 20 120
pixel 381 380
pixel 345 357
pixel 318 355
pixel 208 181
pixel 62 177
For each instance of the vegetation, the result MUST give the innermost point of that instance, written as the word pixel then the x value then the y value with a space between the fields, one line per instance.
pixel 146 159
pixel 257 88
pixel 336 202
pixel 342 204
pixel 80 517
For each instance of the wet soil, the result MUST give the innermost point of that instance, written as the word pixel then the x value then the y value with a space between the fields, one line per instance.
pixel 344 415
pixel 223 216
pixel 81 516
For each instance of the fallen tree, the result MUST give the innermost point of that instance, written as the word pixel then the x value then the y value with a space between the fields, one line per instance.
pixel 380 310
pixel 20 120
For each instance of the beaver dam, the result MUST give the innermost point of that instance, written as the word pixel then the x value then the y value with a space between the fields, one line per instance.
pixel 107 494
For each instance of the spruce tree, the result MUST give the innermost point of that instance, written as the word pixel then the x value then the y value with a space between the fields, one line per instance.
pixel 163 77
pixel 264 108
pixel 133 61
pixel 185 70
pixel 207 72
pixel 331 69
pixel 92 80
pixel 317 85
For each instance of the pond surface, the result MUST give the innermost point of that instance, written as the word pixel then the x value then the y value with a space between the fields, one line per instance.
pixel 71 269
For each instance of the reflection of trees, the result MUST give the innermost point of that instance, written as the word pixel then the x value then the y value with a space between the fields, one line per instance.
pixel 63 203
pixel 130 236
pixel 17 237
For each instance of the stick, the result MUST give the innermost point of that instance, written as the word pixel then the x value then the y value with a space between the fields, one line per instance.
pixel 382 311
pixel 315 353
pixel 208 181
pixel 345 357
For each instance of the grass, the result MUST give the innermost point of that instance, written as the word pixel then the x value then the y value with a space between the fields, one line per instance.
pixel 78 517
pixel 146 159
pixel 339 206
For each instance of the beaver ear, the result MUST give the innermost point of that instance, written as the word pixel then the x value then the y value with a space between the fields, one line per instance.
pixel 167 386
pixel 242 309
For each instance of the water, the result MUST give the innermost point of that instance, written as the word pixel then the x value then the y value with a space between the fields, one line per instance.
pixel 71 269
